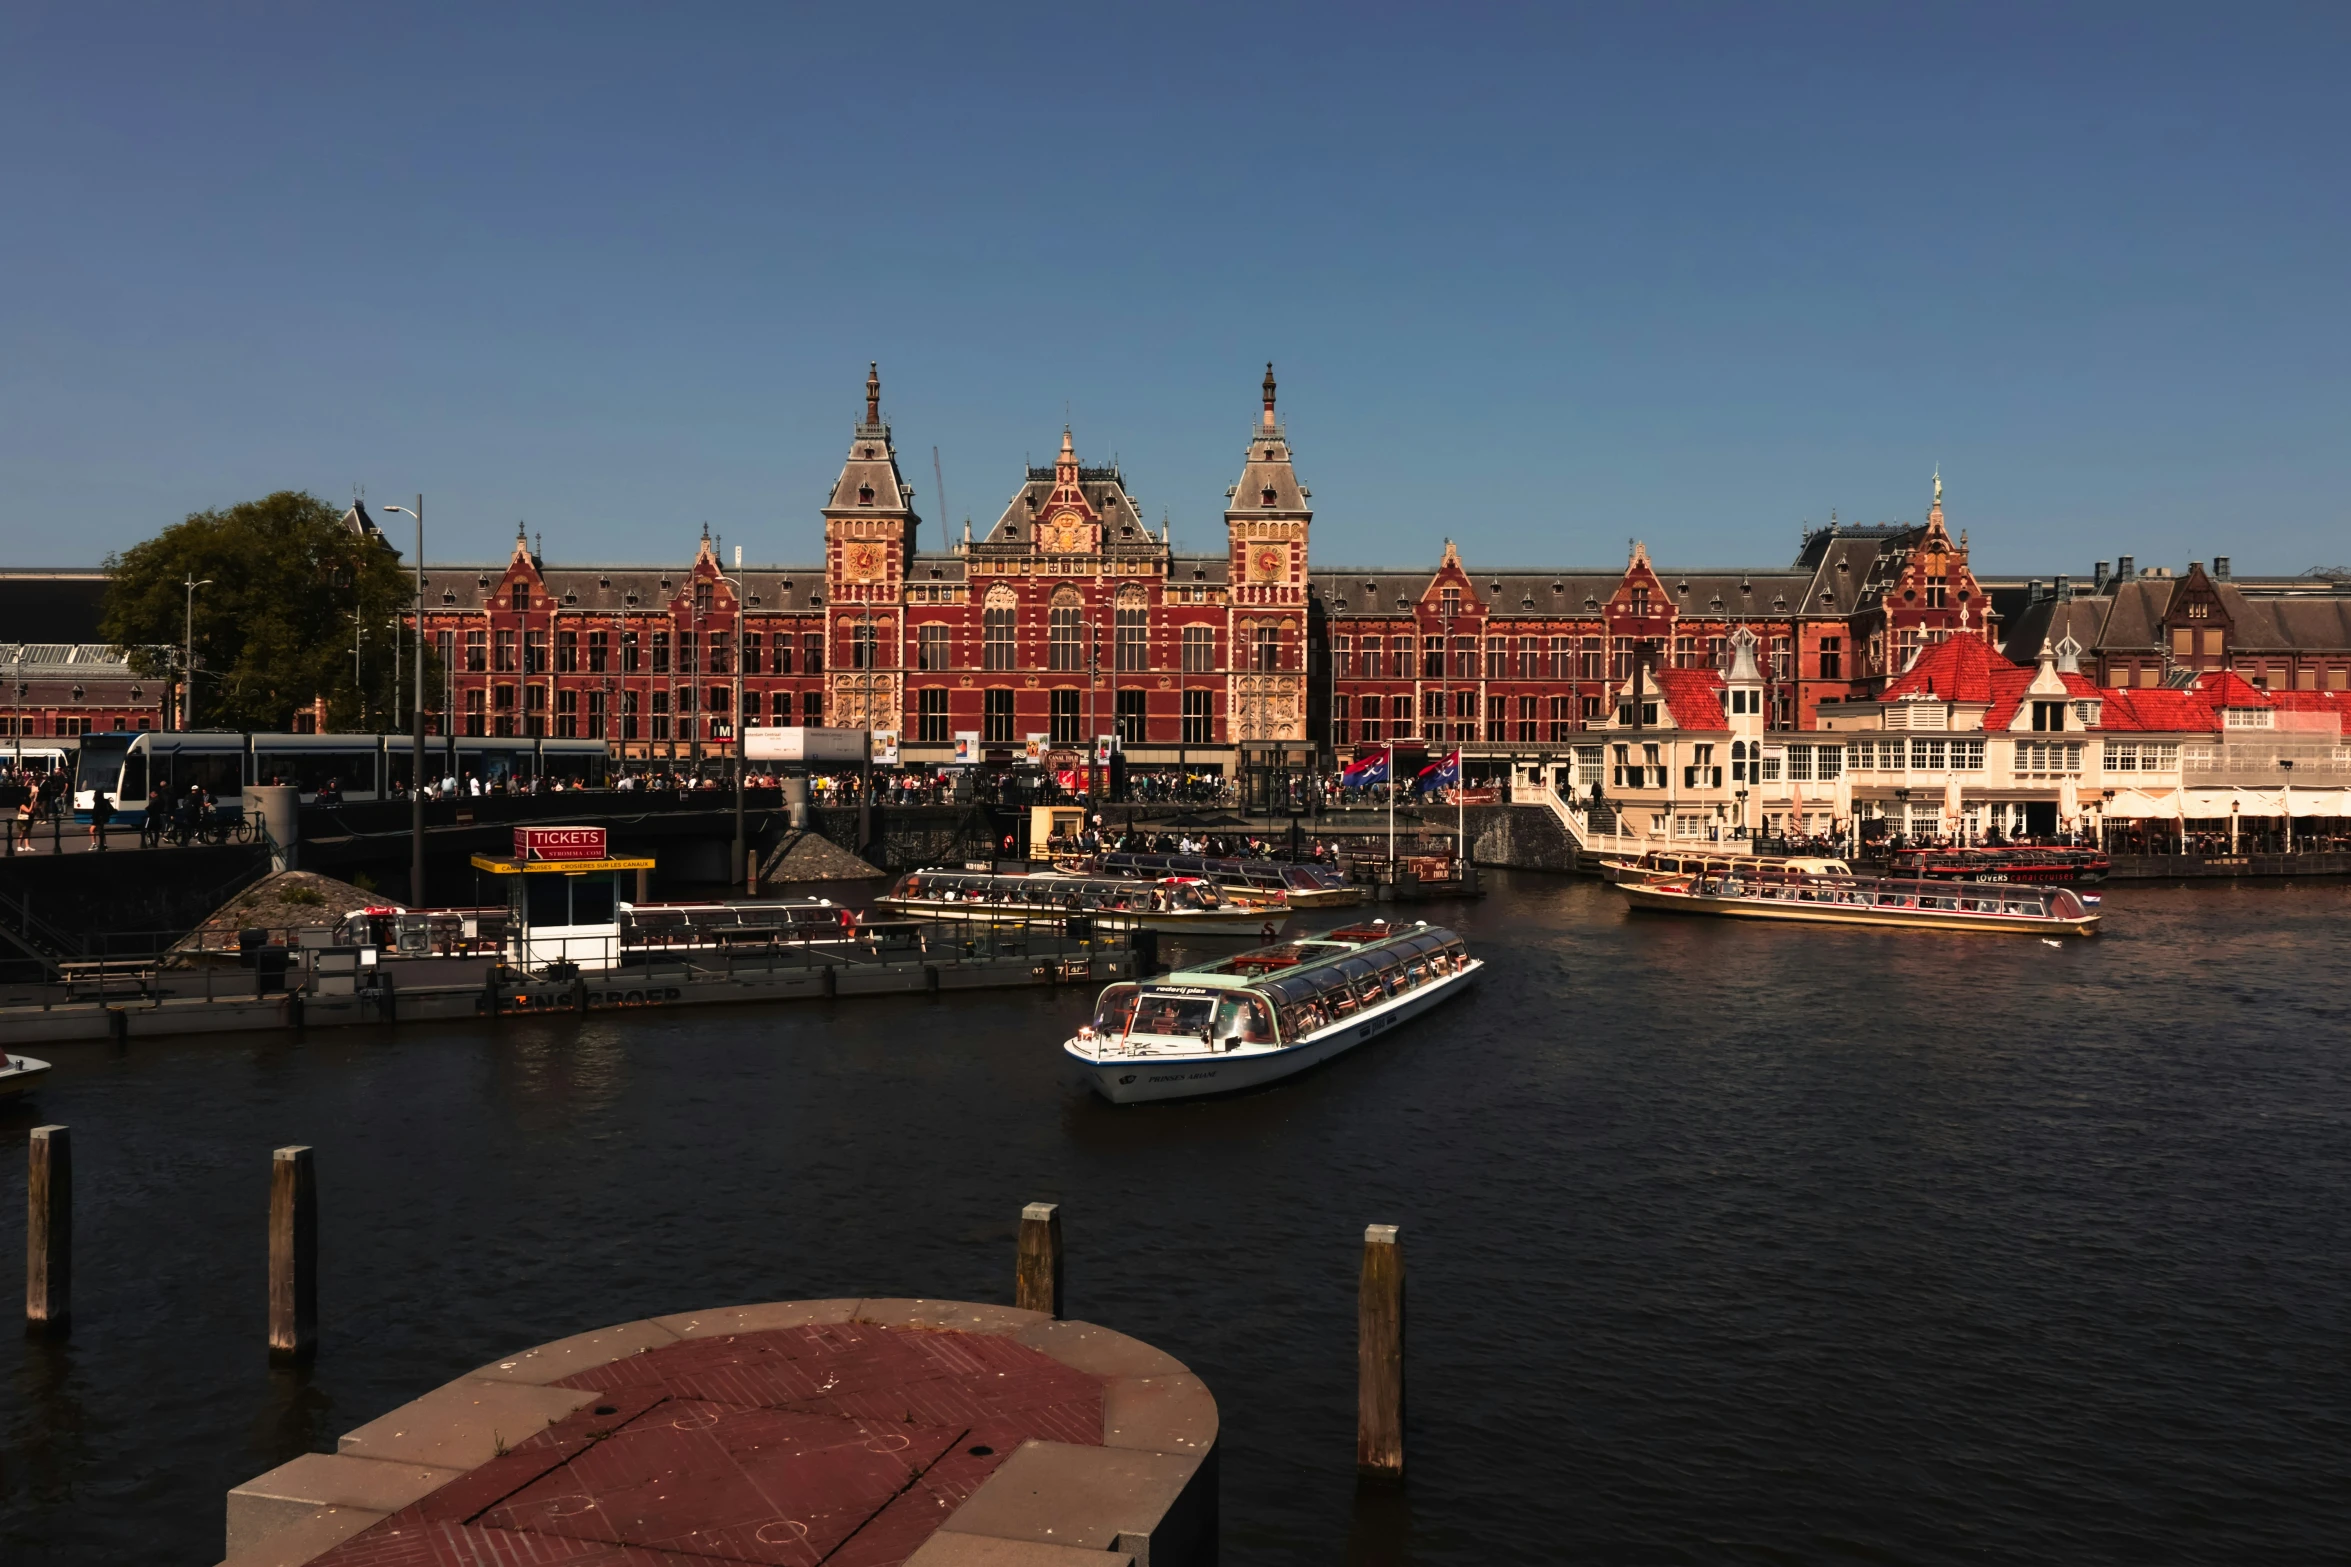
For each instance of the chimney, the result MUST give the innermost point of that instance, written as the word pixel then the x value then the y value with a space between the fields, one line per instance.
pixel 2061 588
pixel 2032 590
pixel 2220 568
pixel 2098 578
pixel 2125 567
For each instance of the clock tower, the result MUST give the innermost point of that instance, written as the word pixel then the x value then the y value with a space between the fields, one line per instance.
pixel 869 529
pixel 1266 523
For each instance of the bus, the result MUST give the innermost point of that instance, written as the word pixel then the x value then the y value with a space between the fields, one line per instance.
pixel 155 767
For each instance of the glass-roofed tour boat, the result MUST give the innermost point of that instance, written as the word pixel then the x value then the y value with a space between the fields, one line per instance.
pixel 1172 905
pixel 1265 1014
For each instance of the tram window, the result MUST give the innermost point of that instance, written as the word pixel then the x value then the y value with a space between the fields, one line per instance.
pixel 134 778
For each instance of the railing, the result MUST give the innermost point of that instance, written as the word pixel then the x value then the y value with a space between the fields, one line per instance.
pixel 1589 839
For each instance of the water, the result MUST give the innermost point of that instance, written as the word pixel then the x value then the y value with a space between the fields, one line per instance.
pixel 1724 1244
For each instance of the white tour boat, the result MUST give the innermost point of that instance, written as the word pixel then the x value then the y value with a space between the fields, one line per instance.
pixel 1264 1014
pixel 19 1073
pixel 1172 906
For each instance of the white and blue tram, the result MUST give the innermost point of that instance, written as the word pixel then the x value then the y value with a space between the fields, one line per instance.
pixel 158 766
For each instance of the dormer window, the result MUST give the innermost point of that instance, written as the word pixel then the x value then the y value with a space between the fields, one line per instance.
pixel 570 597
pixel 1199 574
pixel 866 452
pixel 936 574
pixel 865 495
pixel 1265 496
pixel 482 581
pixel 604 581
pixel 630 597
pixel 754 601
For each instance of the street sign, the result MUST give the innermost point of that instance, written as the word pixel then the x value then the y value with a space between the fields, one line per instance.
pixel 559 843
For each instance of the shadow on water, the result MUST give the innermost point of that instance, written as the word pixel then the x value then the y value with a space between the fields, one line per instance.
pixel 1380 1532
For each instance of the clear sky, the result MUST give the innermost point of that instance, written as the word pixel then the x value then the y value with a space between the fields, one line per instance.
pixel 1541 280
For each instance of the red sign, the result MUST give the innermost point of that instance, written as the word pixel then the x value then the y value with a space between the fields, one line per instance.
pixel 559 843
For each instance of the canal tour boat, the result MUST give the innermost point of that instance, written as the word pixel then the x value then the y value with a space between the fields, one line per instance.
pixel 1173 905
pixel 1679 865
pixel 1278 883
pixel 2046 867
pixel 19 1073
pixel 1913 904
pixel 1263 1015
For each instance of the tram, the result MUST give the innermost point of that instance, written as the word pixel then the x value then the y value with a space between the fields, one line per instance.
pixel 161 765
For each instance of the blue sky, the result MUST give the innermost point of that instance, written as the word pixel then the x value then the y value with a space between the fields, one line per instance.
pixel 1540 280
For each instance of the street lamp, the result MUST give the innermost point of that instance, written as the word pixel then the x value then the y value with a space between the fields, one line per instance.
pixel 188 655
pixel 416 724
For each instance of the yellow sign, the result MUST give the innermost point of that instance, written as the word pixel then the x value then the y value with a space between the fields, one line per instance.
pixel 555 867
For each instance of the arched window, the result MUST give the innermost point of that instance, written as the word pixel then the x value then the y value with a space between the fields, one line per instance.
pixel 997 621
pixel 1134 633
pixel 1269 647
pixel 1064 628
pixel 1199 650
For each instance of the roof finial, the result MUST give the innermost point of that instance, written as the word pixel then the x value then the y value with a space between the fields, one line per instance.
pixel 1269 394
pixel 873 391
pixel 1938 484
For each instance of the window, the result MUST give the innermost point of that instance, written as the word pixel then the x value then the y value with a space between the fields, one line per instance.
pixel 534 652
pixel 1199 650
pixel 599 651
pixel 702 598
pixel 1562 719
pixel 1926 756
pixel 1371 658
pixel 1967 755
pixel 595 730
pixel 1199 724
pixel 1782 662
pixel 1269 647
pixel 1526 719
pixel 1133 636
pixel 1497 658
pixel 930 647
pixel 1372 719
pixel 931 703
pixel 996 722
pixel 477 652
pixel 719 654
pixel 1685 652
pixel 628 715
pixel 781 706
pixel 1799 764
pixel 1497 724
pixel 476 721
pixel 1829 761
pixel 1465 703
pixel 661 715
pixel 661 653
pixel 687 653
pixel 1562 659
pixel 2183 641
pixel 1771 766
pixel 567 652
pixel 1131 716
pixel 1641 601
pixel 2048 715
pixel 864 646
pixel 630 662
pixel 567 714
pixel 1342 715
pixel 1342 656
pixel 1906 644
pixel 504 663
pixel 997 625
pixel 754 653
pixel 520 598
pixel 715 700
pixel 1432 663
pixel 812 654
pixel 1400 657
pixel 1832 658
pixel 1590 660
pixel 1068 727
pixel 812 709
pixel 1530 658
pixel 783 656
pixel 1465 658
pixel 1065 635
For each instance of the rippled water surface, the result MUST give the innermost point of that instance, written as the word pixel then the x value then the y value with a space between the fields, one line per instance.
pixel 1724 1244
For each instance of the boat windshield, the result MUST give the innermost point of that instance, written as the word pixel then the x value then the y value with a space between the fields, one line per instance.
pixel 1244 1017
pixel 1116 1010
pixel 1175 1013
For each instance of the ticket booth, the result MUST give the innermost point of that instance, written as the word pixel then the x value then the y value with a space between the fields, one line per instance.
pixel 562 898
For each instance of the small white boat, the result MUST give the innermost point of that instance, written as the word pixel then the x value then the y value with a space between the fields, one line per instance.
pixel 1174 905
pixel 1263 1015
pixel 19 1073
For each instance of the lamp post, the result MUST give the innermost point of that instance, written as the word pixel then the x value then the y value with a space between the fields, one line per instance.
pixel 2286 806
pixel 742 869
pixel 187 656
pixel 416 725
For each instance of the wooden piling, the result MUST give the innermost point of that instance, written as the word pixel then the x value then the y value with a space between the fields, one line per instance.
pixel 48 1231
pixel 1037 1282
pixel 293 1255
pixel 1379 1359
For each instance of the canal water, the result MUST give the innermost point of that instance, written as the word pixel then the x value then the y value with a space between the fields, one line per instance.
pixel 1724 1244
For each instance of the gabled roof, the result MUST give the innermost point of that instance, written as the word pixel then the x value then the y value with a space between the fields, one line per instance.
pixel 2158 709
pixel 1958 669
pixel 2227 688
pixel 2009 693
pixel 1693 696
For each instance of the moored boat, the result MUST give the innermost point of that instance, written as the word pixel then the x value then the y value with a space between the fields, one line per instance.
pixel 19 1073
pixel 1282 882
pixel 1171 905
pixel 1911 904
pixel 1266 1014
pixel 2047 867
pixel 1678 865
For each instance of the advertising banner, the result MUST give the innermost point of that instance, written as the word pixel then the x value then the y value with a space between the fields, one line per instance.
pixel 967 747
pixel 1035 749
pixel 788 744
pixel 885 747
pixel 559 843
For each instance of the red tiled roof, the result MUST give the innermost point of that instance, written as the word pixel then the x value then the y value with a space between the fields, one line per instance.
pixel 1691 695
pixel 1961 669
pixel 2161 710
pixel 2227 688
pixel 2312 701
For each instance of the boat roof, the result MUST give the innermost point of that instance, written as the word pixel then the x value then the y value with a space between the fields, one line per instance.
pixel 1250 969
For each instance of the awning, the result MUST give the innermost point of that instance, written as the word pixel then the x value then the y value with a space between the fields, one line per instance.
pixel 2321 802
pixel 2131 805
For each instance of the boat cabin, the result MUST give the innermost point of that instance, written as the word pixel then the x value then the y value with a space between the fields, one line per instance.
pixel 1277 995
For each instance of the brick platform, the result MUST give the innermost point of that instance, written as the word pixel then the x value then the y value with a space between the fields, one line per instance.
pixel 851 1433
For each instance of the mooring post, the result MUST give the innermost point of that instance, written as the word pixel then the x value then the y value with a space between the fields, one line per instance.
pixel 1037 1284
pixel 1379 1359
pixel 48 1230
pixel 293 1255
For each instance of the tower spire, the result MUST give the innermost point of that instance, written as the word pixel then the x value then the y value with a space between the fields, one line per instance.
pixel 1269 394
pixel 873 392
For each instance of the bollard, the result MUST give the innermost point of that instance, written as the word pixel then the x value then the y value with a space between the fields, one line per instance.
pixel 1037 1280
pixel 1379 1359
pixel 293 1255
pixel 48 1230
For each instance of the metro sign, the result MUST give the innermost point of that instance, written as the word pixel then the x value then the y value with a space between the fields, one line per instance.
pixel 559 843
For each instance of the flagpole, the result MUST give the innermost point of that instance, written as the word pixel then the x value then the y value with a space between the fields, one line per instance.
pixel 1391 817
pixel 1460 821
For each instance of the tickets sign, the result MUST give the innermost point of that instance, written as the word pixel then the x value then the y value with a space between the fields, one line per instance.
pixel 559 843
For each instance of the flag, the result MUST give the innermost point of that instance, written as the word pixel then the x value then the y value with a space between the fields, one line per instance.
pixel 1366 771
pixel 1441 775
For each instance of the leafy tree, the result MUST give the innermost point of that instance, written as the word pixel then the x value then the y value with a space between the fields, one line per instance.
pixel 274 630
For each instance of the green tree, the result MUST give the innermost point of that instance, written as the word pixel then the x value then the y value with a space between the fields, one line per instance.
pixel 274 630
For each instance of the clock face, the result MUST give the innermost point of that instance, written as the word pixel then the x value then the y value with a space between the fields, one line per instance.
pixel 865 560
pixel 1267 564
